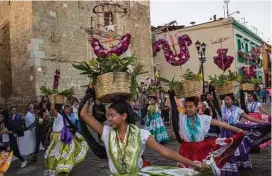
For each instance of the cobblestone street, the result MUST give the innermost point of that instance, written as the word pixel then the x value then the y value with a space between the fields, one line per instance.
pixel 93 166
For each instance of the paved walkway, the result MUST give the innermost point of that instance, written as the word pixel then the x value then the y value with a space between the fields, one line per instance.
pixel 93 166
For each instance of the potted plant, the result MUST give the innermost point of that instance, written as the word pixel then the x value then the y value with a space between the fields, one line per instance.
pixel 225 84
pixel 54 93
pixel 112 75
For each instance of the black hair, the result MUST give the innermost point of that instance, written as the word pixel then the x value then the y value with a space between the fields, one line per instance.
pixel 222 97
pixel 67 106
pixel 253 94
pixel 214 103
pixel 42 99
pixel 235 102
pixel 122 106
pixel 243 101
pixel 43 110
pixel 175 115
pixel 58 107
pixel 203 97
pixel 195 100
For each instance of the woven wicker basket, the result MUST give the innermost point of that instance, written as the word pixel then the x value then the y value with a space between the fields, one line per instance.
pixel 152 93
pixel 191 88
pixel 106 87
pixel 59 99
pixel 247 86
pixel 227 88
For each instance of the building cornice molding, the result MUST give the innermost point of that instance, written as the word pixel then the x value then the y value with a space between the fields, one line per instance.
pixel 245 30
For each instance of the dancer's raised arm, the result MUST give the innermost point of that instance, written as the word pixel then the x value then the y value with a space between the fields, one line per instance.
pixel 88 119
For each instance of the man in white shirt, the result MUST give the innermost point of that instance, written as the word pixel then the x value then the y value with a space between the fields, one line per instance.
pixel 30 116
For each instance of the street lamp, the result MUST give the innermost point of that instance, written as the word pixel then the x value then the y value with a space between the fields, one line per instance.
pixel 201 49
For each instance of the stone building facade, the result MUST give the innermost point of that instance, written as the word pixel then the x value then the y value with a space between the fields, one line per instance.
pixel 36 38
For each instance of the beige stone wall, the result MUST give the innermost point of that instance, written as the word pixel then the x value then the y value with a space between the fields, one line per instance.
pixel 19 17
pixel 5 60
pixel 203 33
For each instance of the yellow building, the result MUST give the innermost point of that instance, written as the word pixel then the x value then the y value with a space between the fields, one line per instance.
pixel 267 57
pixel 235 36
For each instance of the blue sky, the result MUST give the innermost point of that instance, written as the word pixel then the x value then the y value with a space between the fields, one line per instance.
pixel 256 13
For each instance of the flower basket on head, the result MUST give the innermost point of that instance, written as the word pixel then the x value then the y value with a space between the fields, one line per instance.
pixel 59 99
pixel 192 85
pixel 248 86
pixel 227 88
pixel 55 95
pixel 152 93
pixel 225 84
pixel 154 88
pixel 106 87
pixel 191 88
pixel 247 80
pixel 112 75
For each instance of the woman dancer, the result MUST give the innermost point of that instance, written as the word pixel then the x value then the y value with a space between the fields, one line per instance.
pixel 231 114
pixel 65 150
pixel 253 105
pixel 154 123
pixel 125 142
pixel 191 128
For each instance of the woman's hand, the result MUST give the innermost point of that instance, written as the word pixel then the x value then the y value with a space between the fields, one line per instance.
pixel 90 90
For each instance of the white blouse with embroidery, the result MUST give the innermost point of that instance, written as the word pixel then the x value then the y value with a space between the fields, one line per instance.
pixel 205 122
pixel 105 138
pixel 58 124
pixel 253 106
pixel 231 115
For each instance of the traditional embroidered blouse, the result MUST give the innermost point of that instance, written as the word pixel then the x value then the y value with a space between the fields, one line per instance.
pixel 231 115
pixel 105 138
pixel 201 127
pixel 58 123
pixel 253 106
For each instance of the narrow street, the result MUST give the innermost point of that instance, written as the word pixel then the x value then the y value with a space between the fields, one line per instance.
pixel 93 166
